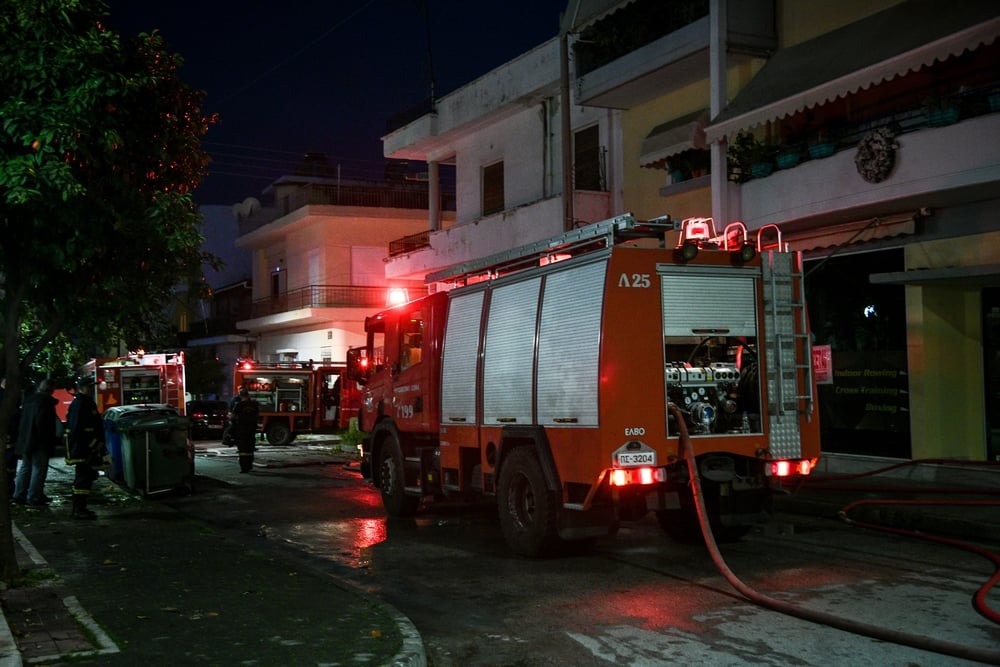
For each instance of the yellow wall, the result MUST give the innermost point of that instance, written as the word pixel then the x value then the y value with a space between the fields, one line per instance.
pixel 641 192
pixel 801 20
pixel 945 358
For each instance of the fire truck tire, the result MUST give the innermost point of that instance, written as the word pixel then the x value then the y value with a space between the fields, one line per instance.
pixel 391 481
pixel 528 510
pixel 278 433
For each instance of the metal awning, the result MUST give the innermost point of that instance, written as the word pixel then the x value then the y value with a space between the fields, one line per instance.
pixel 979 275
pixel 903 38
pixel 673 137
pixel 581 13
pixel 862 231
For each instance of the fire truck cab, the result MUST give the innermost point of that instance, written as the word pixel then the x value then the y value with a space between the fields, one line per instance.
pixel 546 379
pixel 298 397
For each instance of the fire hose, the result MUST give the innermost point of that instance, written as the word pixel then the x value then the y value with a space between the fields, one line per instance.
pixel 822 618
pixel 979 598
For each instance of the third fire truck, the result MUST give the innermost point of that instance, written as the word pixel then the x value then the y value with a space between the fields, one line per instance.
pixel 553 376
pixel 139 379
pixel 297 397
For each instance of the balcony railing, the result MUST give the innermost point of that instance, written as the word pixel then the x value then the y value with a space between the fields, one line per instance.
pixel 410 243
pixel 328 296
pixel 632 27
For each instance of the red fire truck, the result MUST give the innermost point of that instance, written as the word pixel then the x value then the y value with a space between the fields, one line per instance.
pixel 547 379
pixel 298 397
pixel 139 378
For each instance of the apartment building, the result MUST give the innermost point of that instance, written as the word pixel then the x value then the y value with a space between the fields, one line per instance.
pixel 865 131
pixel 318 249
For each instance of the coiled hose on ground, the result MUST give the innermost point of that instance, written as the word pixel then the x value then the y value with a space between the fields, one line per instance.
pixel 849 625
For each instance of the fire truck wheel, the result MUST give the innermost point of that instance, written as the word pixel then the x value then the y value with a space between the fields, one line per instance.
pixel 391 481
pixel 278 433
pixel 528 510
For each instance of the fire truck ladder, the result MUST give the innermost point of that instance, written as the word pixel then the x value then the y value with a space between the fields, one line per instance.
pixel 174 384
pixel 789 372
pixel 588 238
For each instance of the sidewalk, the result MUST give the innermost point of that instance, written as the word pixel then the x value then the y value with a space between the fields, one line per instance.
pixel 951 500
pixel 143 584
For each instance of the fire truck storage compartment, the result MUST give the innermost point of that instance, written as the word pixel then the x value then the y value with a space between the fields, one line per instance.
pixel 140 385
pixel 710 347
pixel 568 347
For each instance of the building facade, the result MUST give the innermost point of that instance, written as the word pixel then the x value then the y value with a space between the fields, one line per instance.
pixel 318 251
pixel 864 131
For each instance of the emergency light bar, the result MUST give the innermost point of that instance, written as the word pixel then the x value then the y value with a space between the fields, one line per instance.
pixel 699 233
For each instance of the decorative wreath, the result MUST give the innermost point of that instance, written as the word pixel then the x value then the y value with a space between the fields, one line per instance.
pixel 876 155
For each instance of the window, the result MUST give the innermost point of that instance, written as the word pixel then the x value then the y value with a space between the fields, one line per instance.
pixel 411 340
pixel 587 167
pixel 493 188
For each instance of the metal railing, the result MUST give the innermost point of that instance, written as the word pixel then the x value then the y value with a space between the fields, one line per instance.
pixel 410 243
pixel 328 296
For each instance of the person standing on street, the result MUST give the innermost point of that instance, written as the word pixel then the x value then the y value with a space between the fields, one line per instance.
pixel 244 428
pixel 85 447
pixel 36 443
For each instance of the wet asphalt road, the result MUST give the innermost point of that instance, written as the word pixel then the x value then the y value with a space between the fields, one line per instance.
pixel 637 599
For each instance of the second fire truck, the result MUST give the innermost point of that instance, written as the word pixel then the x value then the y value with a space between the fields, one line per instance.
pixel 552 376
pixel 298 397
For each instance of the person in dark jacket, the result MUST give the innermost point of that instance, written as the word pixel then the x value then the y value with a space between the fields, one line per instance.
pixel 244 428
pixel 85 445
pixel 36 443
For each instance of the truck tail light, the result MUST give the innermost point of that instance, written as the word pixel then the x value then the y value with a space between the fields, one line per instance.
pixel 789 467
pixel 629 476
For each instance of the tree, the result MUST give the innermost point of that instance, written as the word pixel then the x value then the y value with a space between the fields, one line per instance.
pixel 100 150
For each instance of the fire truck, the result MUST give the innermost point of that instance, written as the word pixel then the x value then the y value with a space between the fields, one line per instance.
pixel 139 378
pixel 298 397
pixel 552 378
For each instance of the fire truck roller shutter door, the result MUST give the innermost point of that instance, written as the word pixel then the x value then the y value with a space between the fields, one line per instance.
pixel 509 355
pixel 569 340
pixel 458 372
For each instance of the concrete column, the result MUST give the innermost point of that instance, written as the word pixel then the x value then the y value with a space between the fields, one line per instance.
pixel 434 195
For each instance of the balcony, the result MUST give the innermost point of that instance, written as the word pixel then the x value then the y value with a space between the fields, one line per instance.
pixel 404 194
pixel 508 229
pixel 619 69
pixel 935 166
pixel 317 304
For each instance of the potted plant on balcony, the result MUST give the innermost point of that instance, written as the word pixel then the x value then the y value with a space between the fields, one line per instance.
pixel 749 158
pixel 788 155
pixel 940 110
pixel 821 145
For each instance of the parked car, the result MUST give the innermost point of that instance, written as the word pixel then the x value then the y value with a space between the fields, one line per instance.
pixel 208 419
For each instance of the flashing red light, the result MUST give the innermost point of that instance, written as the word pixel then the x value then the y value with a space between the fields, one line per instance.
pixel 786 468
pixel 247 365
pixel 627 476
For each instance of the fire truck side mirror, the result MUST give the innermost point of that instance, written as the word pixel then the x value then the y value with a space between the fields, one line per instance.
pixel 358 366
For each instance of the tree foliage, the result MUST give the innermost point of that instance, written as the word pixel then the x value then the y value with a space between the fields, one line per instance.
pixel 100 150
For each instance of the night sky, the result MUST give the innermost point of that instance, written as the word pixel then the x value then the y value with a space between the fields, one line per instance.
pixel 324 76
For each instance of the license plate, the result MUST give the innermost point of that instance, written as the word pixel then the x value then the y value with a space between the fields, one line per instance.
pixel 628 459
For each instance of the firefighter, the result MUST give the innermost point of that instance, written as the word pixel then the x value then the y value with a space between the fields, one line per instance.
pixel 243 422
pixel 85 448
